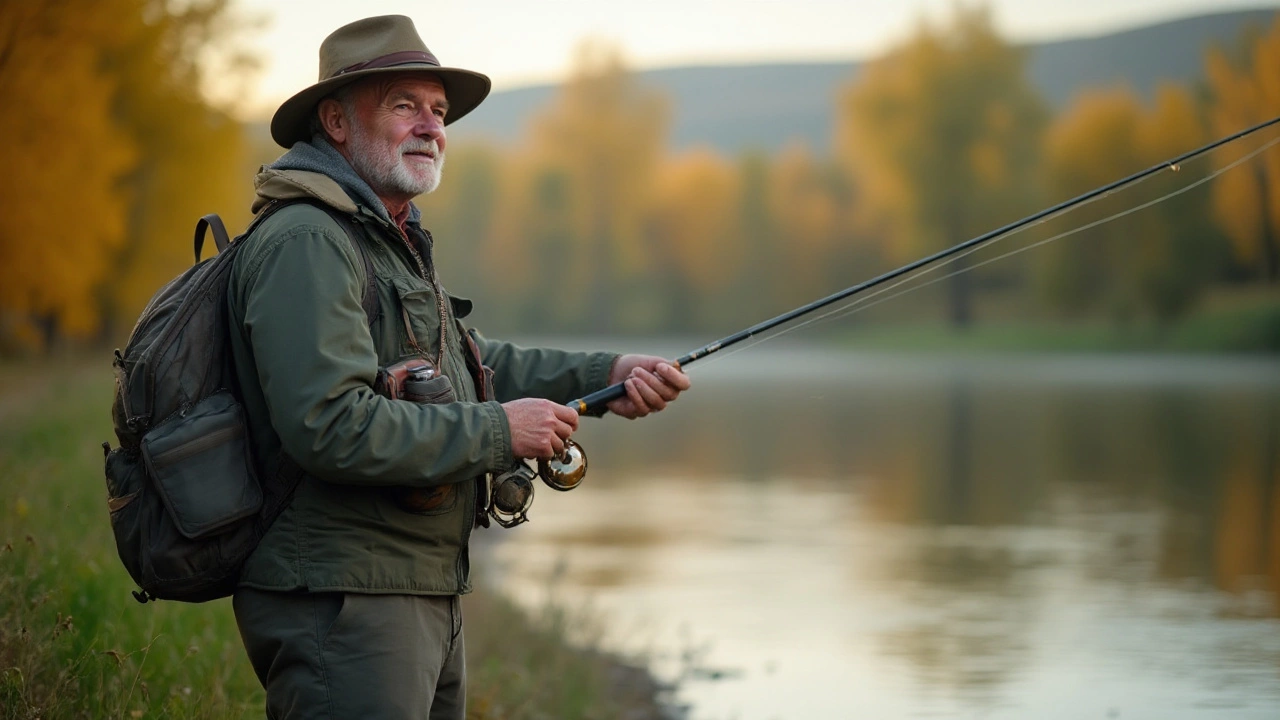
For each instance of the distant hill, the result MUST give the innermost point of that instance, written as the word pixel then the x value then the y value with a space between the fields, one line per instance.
pixel 720 105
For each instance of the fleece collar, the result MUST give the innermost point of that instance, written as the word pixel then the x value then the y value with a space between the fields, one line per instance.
pixel 316 169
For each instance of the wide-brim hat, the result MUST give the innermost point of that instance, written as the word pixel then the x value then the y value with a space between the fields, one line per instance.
pixel 374 46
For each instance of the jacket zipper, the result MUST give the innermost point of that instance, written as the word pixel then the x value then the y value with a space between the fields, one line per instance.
pixel 429 277
pixel 469 499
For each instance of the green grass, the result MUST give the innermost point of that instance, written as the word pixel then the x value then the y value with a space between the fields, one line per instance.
pixel 75 644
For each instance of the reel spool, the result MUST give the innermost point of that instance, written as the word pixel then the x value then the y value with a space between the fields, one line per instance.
pixel 511 495
pixel 565 472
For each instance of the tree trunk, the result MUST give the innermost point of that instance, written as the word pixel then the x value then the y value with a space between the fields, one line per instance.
pixel 47 324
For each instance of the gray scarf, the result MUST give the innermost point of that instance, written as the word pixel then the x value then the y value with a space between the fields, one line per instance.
pixel 319 156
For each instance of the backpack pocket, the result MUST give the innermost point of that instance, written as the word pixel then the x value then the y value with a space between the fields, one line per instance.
pixel 202 469
pixel 126 481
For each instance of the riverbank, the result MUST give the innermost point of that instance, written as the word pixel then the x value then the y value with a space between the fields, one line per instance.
pixel 74 643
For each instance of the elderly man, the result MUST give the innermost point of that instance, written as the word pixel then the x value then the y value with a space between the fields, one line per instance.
pixel 349 606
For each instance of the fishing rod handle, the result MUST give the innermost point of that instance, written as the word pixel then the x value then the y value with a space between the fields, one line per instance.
pixel 599 398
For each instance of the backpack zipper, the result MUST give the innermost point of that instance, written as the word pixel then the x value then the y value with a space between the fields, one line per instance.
pixel 176 455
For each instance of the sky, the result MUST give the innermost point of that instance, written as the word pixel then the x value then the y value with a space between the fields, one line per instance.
pixel 523 43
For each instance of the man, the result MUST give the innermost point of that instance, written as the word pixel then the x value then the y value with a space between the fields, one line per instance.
pixel 349 606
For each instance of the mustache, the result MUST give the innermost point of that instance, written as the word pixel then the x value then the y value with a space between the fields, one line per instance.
pixel 420 145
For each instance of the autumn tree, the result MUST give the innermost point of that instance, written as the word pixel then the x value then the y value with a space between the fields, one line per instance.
pixel 64 210
pixel 810 201
pixel 113 154
pixel 692 227
pixel 941 135
pixel 1247 204
pixel 760 246
pixel 599 144
pixel 1154 261
pixel 190 157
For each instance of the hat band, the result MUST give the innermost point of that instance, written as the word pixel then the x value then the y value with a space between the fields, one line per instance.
pixel 397 58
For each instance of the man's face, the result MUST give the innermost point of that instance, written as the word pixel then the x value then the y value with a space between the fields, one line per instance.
pixel 397 135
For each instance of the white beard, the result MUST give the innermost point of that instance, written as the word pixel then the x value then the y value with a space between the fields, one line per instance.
pixel 388 172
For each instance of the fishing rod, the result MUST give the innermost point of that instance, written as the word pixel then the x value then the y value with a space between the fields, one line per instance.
pixel 512 492
pixel 597 399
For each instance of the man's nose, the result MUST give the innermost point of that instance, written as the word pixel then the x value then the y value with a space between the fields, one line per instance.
pixel 430 127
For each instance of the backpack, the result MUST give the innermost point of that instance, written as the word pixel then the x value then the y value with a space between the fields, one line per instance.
pixel 187 506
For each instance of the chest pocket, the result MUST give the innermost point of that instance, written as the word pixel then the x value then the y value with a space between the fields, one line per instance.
pixel 417 321
pixel 417 318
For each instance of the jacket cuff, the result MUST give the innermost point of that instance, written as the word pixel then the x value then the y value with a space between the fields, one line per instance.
pixel 501 457
pixel 598 369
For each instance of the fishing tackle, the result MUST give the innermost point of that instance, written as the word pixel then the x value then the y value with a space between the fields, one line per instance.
pixel 567 471
pixel 511 493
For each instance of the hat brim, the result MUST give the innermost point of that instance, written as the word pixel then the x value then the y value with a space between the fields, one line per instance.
pixel 465 90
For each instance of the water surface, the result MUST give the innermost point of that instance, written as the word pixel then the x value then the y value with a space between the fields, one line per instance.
pixel 813 534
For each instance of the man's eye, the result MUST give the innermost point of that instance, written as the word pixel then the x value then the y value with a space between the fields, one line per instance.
pixel 439 113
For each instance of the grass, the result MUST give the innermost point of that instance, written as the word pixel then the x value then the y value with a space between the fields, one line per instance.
pixel 75 644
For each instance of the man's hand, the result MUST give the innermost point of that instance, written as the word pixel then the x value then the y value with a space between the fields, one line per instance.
pixel 539 427
pixel 651 383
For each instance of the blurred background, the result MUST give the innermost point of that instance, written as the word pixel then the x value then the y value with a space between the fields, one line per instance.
pixel 685 199
pixel 1045 483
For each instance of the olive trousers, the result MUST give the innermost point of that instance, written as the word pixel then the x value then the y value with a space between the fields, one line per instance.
pixel 339 656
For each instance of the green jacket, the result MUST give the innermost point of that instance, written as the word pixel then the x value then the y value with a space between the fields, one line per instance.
pixel 306 358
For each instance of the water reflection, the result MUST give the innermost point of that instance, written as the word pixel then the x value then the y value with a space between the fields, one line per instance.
pixel 895 537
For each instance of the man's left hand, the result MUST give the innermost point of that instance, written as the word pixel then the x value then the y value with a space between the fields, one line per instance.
pixel 651 383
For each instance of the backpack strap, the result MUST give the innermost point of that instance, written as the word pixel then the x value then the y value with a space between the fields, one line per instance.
pixel 220 237
pixel 211 222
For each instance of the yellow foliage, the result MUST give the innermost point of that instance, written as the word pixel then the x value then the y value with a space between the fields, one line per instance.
pixel 693 218
pixel 804 201
pixel 1155 260
pixel 598 146
pixel 113 156
pixel 63 212
pixel 1247 203
pixel 941 136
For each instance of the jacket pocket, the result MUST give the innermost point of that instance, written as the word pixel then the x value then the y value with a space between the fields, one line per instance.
pixel 419 318
pixel 202 469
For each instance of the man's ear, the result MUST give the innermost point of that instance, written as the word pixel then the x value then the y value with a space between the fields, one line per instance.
pixel 334 121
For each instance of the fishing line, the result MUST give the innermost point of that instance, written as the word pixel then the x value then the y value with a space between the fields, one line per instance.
pixel 853 307
pixel 598 398
pixel 860 304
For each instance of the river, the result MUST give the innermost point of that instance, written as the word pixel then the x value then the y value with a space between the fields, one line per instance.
pixel 818 534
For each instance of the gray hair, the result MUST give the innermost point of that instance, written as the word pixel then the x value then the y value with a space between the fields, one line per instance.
pixel 346 97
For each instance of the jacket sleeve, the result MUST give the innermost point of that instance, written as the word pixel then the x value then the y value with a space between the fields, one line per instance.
pixel 556 375
pixel 300 297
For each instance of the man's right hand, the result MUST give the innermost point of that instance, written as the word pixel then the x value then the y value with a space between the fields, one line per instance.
pixel 539 427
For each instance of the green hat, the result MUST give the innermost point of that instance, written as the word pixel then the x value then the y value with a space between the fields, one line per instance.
pixel 373 46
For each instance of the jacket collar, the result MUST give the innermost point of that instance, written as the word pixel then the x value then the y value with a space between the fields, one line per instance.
pixel 317 170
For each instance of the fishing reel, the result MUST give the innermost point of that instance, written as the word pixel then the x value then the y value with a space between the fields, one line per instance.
pixel 511 493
